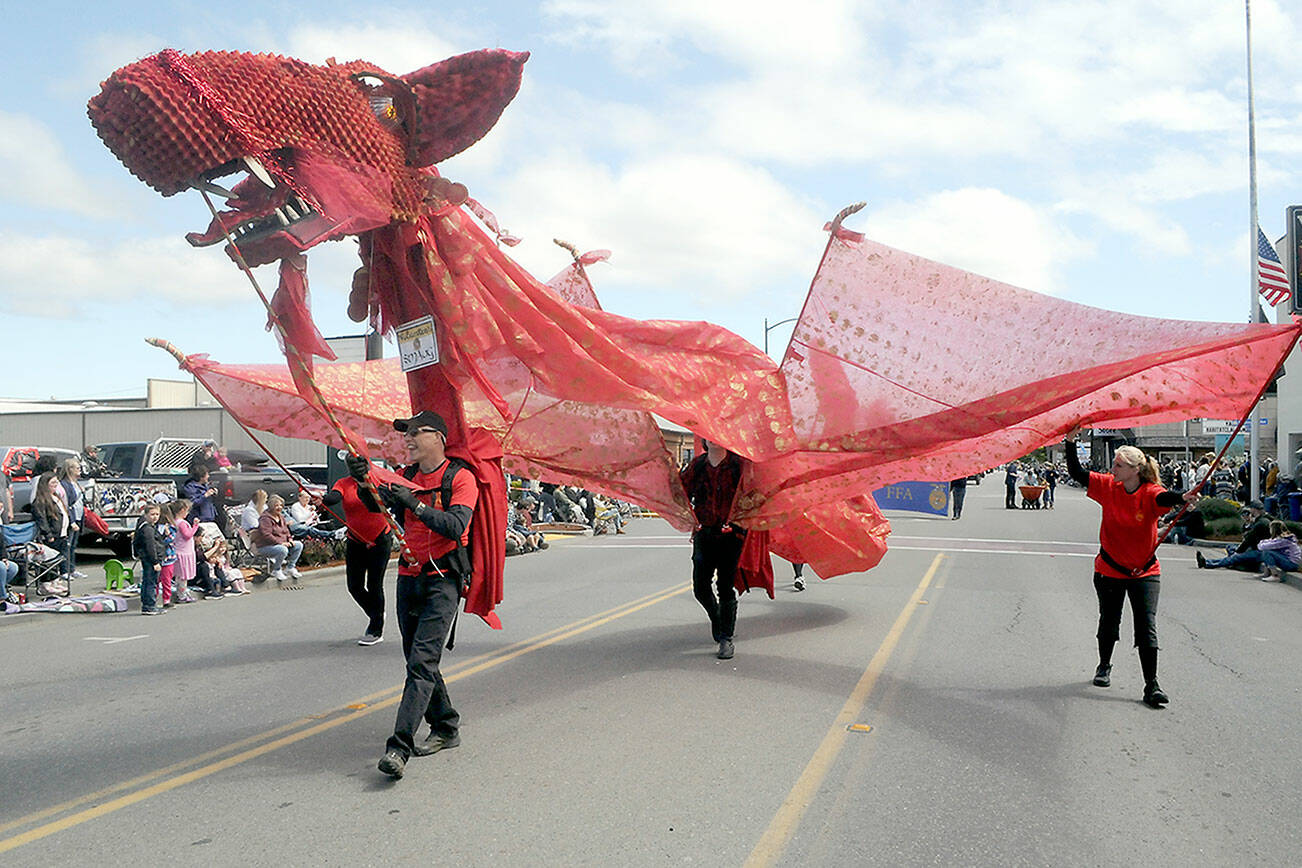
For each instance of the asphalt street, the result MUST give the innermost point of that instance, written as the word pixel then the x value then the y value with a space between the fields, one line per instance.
pixel 936 710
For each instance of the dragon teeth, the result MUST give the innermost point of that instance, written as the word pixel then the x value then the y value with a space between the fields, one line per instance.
pixel 259 171
pixel 281 216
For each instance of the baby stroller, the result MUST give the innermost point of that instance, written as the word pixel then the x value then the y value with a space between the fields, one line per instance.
pixel 39 566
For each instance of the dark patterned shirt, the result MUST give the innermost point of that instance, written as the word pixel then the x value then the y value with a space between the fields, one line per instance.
pixel 711 489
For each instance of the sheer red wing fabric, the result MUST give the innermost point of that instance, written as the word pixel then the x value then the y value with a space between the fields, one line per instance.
pixel 902 368
pixel 899 368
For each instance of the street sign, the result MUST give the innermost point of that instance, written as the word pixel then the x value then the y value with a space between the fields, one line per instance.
pixel 1220 426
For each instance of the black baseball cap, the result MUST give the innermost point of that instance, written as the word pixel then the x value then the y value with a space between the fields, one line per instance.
pixel 423 419
pixel 1255 504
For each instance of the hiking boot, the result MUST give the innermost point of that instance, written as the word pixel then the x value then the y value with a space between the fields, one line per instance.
pixel 392 764
pixel 725 649
pixel 1103 675
pixel 436 742
pixel 1153 695
pixel 1202 561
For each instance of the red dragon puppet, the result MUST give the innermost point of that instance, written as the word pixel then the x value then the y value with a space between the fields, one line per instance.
pixel 889 375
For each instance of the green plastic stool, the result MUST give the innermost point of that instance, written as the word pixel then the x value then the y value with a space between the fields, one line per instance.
pixel 116 576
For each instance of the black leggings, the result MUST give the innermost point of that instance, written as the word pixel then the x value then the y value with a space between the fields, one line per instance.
pixel 1143 595
pixel 364 567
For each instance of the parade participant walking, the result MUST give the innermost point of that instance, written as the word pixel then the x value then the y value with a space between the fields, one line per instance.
pixel 1051 485
pixel 366 553
pixel 1126 565
pixel 711 481
pixel 958 491
pixel 436 521
pixel 1010 486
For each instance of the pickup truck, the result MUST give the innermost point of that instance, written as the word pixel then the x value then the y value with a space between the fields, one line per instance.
pixel 120 502
pixel 169 458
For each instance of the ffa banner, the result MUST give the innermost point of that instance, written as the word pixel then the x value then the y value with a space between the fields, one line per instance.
pixel 928 497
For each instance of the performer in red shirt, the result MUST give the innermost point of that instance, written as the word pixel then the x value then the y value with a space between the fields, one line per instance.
pixel 1126 565
pixel 430 588
pixel 366 552
pixel 711 481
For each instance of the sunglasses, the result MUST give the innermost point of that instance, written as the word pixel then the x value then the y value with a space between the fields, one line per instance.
pixel 413 433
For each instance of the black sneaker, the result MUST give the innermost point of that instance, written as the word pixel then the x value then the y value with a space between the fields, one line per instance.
pixel 1103 675
pixel 392 764
pixel 1202 561
pixel 1153 695
pixel 725 649
pixel 435 742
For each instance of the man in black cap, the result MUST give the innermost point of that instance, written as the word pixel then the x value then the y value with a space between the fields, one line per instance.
pixel 435 516
pixel 1244 556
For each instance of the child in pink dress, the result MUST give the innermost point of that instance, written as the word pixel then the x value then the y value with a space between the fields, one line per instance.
pixel 186 567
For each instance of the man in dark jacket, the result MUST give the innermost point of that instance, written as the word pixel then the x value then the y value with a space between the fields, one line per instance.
pixel 1244 556
pixel 711 481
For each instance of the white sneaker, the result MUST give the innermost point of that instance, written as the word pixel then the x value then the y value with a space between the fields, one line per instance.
pixel 341 533
pixel 798 584
pixel 370 639
pixel 294 573
pixel 279 576
pixel 78 574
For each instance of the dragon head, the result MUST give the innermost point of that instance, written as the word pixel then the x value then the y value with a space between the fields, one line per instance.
pixel 323 151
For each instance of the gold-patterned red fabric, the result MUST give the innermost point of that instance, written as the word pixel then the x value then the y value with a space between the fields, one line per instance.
pixel 902 368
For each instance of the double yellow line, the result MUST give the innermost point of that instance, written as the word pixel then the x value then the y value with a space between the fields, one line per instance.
pixel 176 775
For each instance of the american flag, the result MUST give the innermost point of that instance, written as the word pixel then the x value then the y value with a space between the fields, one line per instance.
pixel 1272 279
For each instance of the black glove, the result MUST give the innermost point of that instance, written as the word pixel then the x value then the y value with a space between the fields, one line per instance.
pixel 358 467
pixel 404 496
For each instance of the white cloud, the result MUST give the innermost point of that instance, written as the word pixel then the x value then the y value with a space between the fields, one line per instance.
pixel 39 175
pixel 398 49
pixel 699 225
pixel 981 230
pixel 57 278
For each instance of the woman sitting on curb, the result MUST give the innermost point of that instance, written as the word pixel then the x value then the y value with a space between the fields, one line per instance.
pixel 1279 554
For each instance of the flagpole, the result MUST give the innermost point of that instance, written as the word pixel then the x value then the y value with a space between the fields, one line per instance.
pixel 1254 461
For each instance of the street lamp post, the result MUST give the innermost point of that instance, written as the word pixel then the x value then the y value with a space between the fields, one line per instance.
pixel 768 328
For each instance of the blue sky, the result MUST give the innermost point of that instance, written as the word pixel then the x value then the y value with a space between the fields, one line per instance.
pixel 1093 151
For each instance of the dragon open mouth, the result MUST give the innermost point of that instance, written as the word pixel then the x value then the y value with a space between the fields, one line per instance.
pixel 265 217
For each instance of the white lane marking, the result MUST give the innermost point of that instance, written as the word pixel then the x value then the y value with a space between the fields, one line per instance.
pixel 890 548
pixel 1044 542
pixel 619 545
pixel 113 640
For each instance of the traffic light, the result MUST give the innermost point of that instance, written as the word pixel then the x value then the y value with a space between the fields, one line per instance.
pixel 1292 255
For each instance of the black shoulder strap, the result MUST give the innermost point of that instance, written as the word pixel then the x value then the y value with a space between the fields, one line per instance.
pixel 445 484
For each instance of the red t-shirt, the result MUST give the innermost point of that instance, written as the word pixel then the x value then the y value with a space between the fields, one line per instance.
pixel 362 523
pixel 1128 531
pixel 425 544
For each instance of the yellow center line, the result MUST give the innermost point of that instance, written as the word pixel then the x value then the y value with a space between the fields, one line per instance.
pixel 787 819
pixel 349 713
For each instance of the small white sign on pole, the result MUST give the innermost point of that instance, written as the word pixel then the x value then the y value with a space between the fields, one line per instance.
pixel 418 345
pixel 1220 426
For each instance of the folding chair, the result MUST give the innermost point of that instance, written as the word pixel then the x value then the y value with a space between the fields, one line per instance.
pixel 244 556
pixel 37 564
